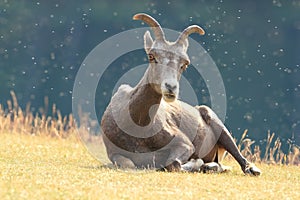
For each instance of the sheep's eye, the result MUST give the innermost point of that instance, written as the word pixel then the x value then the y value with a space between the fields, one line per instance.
pixel 183 67
pixel 151 58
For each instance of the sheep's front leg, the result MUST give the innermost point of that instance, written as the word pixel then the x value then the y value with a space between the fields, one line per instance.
pixel 122 161
pixel 180 151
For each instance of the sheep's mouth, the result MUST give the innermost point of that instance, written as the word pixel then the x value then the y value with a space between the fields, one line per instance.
pixel 169 97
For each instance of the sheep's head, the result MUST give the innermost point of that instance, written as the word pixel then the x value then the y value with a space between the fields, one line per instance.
pixel 167 59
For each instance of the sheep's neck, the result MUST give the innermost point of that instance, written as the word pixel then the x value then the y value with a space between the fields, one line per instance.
pixel 142 100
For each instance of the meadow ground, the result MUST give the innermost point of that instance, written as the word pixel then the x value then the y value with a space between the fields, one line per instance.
pixel 41 167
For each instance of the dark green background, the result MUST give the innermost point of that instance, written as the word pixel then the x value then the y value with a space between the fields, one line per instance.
pixel 255 44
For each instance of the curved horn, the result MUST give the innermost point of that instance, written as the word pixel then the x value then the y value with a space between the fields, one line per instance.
pixel 156 28
pixel 191 29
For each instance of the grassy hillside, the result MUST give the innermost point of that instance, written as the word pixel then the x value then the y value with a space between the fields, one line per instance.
pixel 42 158
pixel 40 167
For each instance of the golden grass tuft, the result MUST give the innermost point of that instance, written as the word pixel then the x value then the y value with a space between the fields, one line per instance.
pixel 273 153
pixel 15 120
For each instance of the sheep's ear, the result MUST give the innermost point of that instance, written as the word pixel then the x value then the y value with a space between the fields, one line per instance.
pixel 148 41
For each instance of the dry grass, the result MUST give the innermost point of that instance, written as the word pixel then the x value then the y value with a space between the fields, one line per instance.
pixel 273 153
pixel 41 158
pixel 15 120
pixel 37 167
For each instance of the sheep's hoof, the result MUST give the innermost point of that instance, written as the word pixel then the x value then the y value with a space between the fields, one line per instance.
pixel 173 167
pixel 211 167
pixel 192 165
pixel 252 170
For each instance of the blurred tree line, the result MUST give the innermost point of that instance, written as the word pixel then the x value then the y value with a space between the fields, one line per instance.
pixel 255 44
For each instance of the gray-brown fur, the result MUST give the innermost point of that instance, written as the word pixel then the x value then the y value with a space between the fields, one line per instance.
pixel 147 126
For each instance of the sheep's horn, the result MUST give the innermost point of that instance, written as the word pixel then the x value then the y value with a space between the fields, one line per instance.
pixel 158 32
pixel 191 29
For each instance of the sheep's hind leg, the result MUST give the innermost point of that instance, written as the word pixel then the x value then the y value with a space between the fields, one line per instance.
pixel 193 165
pixel 122 162
pixel 216 166
pixel 213 167
pixel 226 141
pixel 199 166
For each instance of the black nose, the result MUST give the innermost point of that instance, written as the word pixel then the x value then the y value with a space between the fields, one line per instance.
pixel 170 88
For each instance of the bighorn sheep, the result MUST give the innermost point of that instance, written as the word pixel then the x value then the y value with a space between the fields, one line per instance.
pixel 147 126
